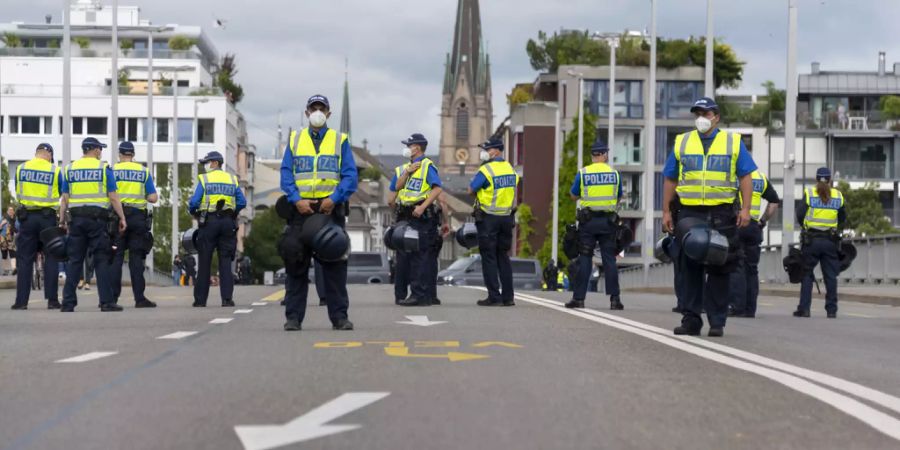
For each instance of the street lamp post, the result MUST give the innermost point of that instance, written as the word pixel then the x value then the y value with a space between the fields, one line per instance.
pixel 556 154
pixel 709 87
pixel 194 168
pixel 67 85
pixel 650 154
pixel 790 131
pixel 114 84
pixel 580 151
pixel 611 131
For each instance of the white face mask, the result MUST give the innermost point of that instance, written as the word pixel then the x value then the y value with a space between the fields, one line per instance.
pixel 207 167
pixel 703 124
pixel 484 155
pixel 407 152
pixel 317 119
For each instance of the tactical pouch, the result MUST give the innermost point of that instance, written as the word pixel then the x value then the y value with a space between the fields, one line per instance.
pixel 570 241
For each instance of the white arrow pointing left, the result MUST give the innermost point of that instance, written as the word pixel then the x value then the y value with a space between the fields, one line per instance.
pixel 311 425
pixel 421 321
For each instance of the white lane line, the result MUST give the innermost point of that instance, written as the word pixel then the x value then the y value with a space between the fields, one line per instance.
pixel 881 398
pixel 243 311
pixel 178 335
pixel 860 315
pixel 221 320
pixel 258 304
pixel 876 419
pixel 86 357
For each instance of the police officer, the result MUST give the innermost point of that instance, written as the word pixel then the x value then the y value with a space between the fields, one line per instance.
pixel 88 190
pixel 135 187
pixel 37 188
pixel 401 258
pixel 421 186
pixel 705 170
pixel 494 187
pixel 216 202
pixel 822 216
pixel 598 187
pixel 745 280
pixel 318 175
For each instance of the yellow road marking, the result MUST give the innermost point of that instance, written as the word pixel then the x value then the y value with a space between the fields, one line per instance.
pixel 403 352
pixel 495 344
pixel 337 344
pixel 275 297
pixel 436 344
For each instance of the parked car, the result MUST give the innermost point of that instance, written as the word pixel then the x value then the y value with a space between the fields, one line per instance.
pixel 368 268
pixel 467 272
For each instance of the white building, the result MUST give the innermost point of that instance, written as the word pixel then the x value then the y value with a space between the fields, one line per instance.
pixel 31 78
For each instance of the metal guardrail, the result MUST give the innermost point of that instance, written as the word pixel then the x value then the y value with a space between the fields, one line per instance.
pixel 877 262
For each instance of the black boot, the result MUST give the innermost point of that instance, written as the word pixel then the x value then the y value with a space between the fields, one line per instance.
pixel 801 313
pixel 144 303
pixel 110 307
pixel 227 303
pixel 615 303
pixel 488 302
pixel 575 304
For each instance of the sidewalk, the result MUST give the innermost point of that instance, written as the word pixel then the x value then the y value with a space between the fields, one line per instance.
pixel 883 294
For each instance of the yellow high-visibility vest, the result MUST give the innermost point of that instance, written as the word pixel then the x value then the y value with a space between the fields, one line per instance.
pixel 760 184
pixel 131 179
pixel 499 197
pixel 707 179
pixel 218 185
pixel 317 174
pixel 599 187
pixel 416 189
pixel 37 184
pixel 87 183
pixel 822 215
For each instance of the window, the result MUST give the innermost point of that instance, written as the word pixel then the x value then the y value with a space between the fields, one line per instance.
pixel 675 98
pixel 96 125
pixel 185 130
pixel 462 123
pixel 206 131
pixel 867 159
pixel 30 125
pixel 365 260
pixel 628 98
pixel 78 125
pixel 162 130
pixel 128 129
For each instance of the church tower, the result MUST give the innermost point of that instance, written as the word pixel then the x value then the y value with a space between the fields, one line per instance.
pixel 466 111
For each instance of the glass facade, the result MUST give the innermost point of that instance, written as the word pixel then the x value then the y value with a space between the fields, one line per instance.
pixel 628 98
pixel 675 98
pixel 864 159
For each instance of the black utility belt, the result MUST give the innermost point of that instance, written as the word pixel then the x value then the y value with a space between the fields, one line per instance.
pixel 585 215
pixel 133 210
pixel 90 212
pixel 223 213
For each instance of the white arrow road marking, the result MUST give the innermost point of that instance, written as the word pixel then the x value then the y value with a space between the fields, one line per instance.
pixel 421 321
pixel 221 320
pixel 87 357
pixel 178 335
pixel 243 311
pixel 311 425
pixel 258 304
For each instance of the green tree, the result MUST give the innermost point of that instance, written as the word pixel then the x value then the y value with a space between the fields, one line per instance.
pixel 4 179
pixel 11 40
pixel 520 94
pixel 548 53
pixel 567 173
pixel 370 173
pixel 83 42
pixel 162 214
pixel 261 243
pixel 225 79
pixel 180 43
pixel 890 106
pixel 865 214
pixel 759 114
pixel 524 219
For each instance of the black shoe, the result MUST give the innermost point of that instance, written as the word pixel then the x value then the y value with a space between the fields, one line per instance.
pixel 53 305
pixel 735 313
pixel 144 303
pixel 615 303
pixel 65 308
pixel 801 313
pixel 682 330
pixel 398 300
pixel 509 303
pixel 342 324
pixel 832 315
pixel 322 302
pixel 283 302
pixel 19 307
pixel 716 332
pixel 227 303
pixel 488 302
pixel 677 310
pixel 414 301
pixel 197 304
pixel 436 301
pixel 110 307
pixel 292 325
pixel 575 304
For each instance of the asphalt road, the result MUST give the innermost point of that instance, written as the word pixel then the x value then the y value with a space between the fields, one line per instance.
pixel 534 376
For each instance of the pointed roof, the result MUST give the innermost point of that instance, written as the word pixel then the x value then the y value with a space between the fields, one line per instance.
pixel 345 108
pixel 468 56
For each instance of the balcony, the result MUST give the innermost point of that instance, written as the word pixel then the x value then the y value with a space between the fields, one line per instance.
pixel 851 121
pixel 46 52
pixel 627 156
pixel 863 170
pixel 55 90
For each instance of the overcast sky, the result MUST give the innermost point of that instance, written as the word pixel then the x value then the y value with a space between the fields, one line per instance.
pixel 289 49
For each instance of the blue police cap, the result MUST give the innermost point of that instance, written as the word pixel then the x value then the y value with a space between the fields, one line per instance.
pixel 45 146
pixel 823 174
pixel 415 138
pixel 318 98
pixel 126 148
pixel 599 147
pixel 91 142
pixel 705 104
pixel 494 142
pixel 212 156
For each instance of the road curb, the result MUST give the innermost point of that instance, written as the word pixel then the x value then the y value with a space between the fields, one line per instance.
pixel 860 298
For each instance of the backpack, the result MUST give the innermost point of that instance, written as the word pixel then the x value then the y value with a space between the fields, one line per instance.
pixel 793 265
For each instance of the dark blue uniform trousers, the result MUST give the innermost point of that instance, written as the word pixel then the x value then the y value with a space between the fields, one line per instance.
pixel 218 235
pixel 824 251
pixel 320 280
pixel 334 278
pixel 745 280
pixel 27 246
pixel 495 234
pixel 602 231
pixel 423 264
pixel 401 275
pixel 707 287
pixel 135 242
pixel 88 233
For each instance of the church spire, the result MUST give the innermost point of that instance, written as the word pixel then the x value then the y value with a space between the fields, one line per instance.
pixel 468 57
pixel 345 108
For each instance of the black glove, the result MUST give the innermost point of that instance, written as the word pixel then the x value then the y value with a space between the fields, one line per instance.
pixel 762 223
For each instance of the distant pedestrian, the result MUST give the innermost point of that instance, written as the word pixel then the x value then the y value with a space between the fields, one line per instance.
pixel 177 266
